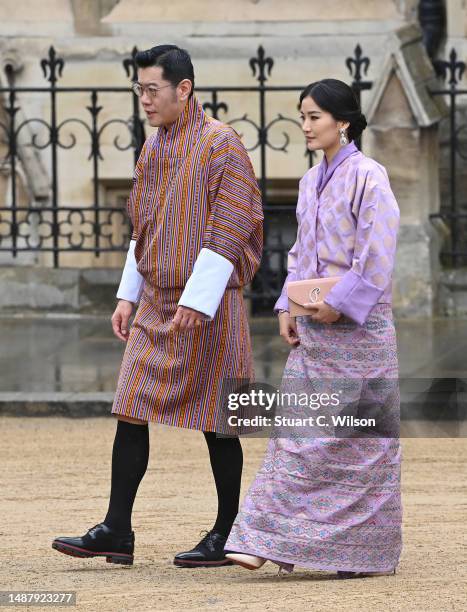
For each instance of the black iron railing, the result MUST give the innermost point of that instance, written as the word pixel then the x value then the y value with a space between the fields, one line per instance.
pixel 49 224
pixel 454 209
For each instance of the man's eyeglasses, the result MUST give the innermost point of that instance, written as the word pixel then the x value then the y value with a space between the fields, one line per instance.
pixel 139 89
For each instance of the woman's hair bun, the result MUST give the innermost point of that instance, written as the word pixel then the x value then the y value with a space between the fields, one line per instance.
pixel 357 125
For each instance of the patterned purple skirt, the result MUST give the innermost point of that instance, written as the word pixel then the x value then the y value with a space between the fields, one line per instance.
pixel 330 503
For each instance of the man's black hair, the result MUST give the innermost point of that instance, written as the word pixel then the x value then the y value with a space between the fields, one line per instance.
pixel 175 63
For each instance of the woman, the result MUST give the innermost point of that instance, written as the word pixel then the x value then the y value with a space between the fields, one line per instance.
pixel 333 503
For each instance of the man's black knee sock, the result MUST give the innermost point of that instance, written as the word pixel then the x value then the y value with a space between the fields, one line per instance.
pixel 227 462
pixel 130 457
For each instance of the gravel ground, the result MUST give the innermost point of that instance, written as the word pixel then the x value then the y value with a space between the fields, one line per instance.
pixel 55 481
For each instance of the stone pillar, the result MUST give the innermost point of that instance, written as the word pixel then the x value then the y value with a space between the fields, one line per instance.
pixel 87 16
pixel 403 135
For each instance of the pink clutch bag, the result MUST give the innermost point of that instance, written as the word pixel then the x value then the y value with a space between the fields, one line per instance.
pixel 308 291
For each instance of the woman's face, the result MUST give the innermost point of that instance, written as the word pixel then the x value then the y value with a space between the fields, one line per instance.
pixel 320 128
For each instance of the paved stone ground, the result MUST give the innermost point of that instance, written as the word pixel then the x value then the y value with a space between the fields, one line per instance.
pixel 55 481
pixel 76 354
pixel 68 364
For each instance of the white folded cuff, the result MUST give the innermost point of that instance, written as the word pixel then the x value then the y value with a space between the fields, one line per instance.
pixel 131 285
pixel 206 286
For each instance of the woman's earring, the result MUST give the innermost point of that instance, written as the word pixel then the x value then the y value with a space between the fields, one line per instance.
pixel 343 137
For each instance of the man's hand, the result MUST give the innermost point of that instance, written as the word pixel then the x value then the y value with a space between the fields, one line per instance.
pixel 120 319
pixel 186 318
pixel 322 312
pixel 288 329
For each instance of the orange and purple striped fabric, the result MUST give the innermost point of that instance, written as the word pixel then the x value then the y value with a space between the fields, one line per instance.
pixel 194 187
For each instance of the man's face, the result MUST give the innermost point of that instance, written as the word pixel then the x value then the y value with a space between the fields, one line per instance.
pixel 162 102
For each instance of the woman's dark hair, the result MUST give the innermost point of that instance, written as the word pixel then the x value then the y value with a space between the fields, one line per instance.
pixel 337 98
pixel 175 63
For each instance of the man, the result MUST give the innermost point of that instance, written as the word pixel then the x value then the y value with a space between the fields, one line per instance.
pixel 197 240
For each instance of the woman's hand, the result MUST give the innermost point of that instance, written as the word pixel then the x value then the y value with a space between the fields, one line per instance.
pixel 288 329
pixel 322 312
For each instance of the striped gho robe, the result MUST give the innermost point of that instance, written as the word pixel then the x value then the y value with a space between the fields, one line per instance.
pixel 197 240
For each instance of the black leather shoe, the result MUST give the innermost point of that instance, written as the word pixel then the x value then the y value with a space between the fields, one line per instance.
pixel 99 541
pixel 207 553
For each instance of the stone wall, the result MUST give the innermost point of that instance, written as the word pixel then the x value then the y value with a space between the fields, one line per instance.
pixel 308 40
